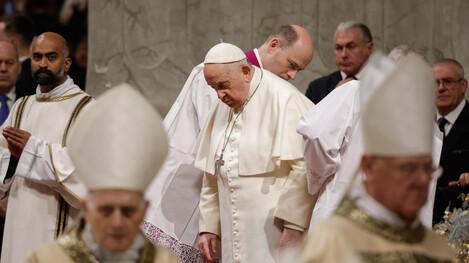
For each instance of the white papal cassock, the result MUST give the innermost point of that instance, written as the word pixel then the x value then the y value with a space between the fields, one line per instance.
pixel 43 192
pixel 262 185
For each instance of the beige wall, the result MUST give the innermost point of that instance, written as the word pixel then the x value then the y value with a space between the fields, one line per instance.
pixel 154 44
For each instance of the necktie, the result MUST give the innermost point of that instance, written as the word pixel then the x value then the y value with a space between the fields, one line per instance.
pixel 3 108
pixel 441 125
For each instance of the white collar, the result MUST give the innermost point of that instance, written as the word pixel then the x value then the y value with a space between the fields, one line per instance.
pixel 11 95
pixel 130 255
pixel 454 114
pixel 357 76
pixel 23 58
pixel 57 91
pixel 378 211
pixel 258 57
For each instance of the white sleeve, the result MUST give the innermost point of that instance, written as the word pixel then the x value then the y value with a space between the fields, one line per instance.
pixel 51 165
pixel 5 155
pixel 4 163
pixel 327 129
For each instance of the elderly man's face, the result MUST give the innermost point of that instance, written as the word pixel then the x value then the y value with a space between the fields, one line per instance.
pixel 450 86
pixel 115 217
pixel 230 82
pixel 399 183
pixel 48 62
pixel 9 67
pixel 351 52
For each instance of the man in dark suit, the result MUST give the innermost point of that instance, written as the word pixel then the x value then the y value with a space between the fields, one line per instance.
pixel 20 30
pixel 353 46
pixel 453 122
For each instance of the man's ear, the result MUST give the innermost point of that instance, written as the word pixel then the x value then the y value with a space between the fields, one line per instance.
pixel 366 163
pixel 370 46
pixel 274 44
pixel 246 70
pixel 67 64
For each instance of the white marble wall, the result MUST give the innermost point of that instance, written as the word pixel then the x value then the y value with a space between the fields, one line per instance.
pixel 154 44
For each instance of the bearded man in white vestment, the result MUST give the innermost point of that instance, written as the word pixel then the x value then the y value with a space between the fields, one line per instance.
pixel 288 50
pixel 254 194
pixel 35 169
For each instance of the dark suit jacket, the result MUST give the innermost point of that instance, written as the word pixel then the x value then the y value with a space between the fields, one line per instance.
pixel 319 88
pixel 454 160
pixel 25 85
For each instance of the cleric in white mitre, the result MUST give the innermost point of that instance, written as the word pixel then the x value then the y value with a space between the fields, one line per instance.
pixel 378 218
pixel 333 139
pixel 118 146
pixel 254 193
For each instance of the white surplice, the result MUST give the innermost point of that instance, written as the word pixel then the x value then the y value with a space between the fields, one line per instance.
pixel 44 174
pixel 328 129
pixel 172 218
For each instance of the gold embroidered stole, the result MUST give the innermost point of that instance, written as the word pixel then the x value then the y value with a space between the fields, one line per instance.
pixel 348 210
pixel 75 247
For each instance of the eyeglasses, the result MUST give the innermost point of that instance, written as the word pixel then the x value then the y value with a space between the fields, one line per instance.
pixel 413 168
pixel 447 83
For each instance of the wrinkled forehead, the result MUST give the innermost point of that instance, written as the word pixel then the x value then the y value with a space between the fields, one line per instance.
pixel 46 45
pixel 216 71
pixel 115 197
pixel 410 159
pixel 445 70
pixel 345 36
pixel 7 50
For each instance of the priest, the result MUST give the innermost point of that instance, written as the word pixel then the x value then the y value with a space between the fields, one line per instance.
pixel 36 173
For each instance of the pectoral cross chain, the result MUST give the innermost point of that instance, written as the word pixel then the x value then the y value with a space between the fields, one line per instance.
pixel 218 164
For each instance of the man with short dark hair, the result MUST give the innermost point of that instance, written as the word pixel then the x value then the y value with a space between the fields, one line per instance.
pixel 36 172
pixel 353 46
pixel 453 123
pixel 286 51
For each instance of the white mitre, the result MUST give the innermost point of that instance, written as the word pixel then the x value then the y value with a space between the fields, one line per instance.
pixel 398 118
pixel 224 53
pixel 119 142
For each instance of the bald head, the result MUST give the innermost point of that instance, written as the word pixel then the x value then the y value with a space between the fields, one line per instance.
pixel 50 60
pixel 56 39
pixel 288 50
